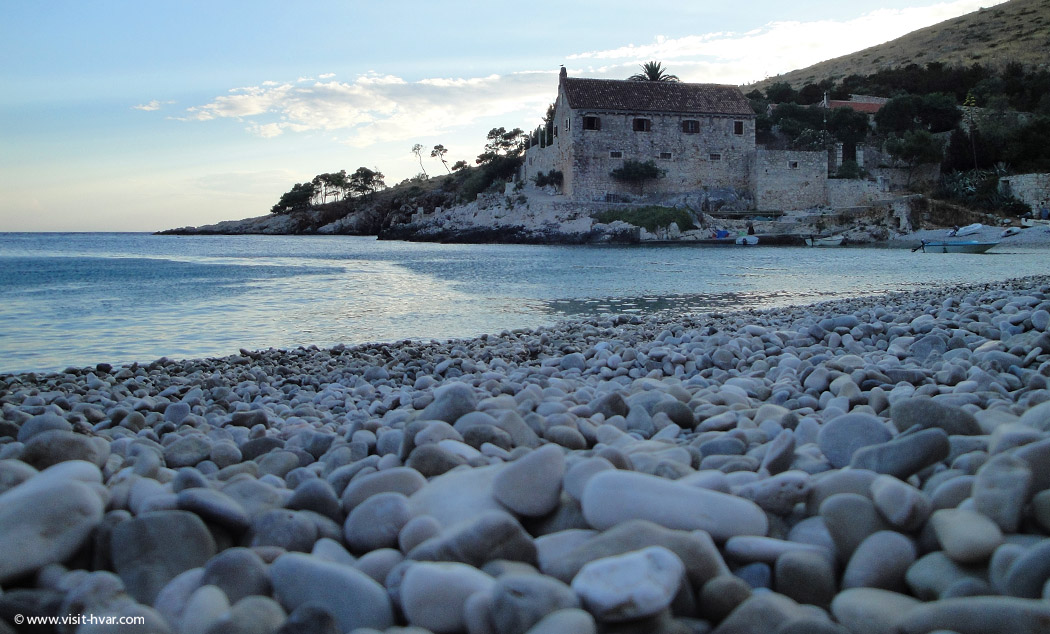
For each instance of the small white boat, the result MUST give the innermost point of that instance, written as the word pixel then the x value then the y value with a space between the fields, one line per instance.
pixel 960 246
pixel 1034 222
pixel 747 240
pixel 826 241
pixel 1010 231
pixel 968 230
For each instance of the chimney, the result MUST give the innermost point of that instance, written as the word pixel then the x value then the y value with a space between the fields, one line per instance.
pixel 562 75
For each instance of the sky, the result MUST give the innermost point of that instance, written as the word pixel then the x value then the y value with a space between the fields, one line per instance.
pixel 148 115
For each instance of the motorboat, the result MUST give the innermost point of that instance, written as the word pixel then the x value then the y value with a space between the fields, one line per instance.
pixel 968 230
pixel 954 246
pixel 1010 231
pixel 826 241
pixel 747 240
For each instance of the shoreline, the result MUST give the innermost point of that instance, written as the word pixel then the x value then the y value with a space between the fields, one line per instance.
pixel 826 461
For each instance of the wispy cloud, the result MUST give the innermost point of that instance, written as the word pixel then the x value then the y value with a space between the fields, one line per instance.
pixel 152 105
pixel 375 108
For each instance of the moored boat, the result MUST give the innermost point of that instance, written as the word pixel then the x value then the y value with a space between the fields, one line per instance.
pixel 959 246
pixel 747 240
pixel 826 241
pixel 968 230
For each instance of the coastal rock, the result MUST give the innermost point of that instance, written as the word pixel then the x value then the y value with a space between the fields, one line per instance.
pixel 520 601
pixel 568 621
pixel 531 485
pixel 978 615
pixel 629 586
pixel 880 561
pixel 377 522
pixel 613 497
pixel 491 535
pixel 924 412
pixel 871 610
pixel 45 520
pixel 967 537
pixel 433 595
pixel 353 598
pixel 904 455
pixel 450 402
pixel 841 437
pixel 1001 490
pixel 152 549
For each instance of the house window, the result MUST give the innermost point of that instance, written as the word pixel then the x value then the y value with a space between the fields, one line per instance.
pixel 738 127
pixel 690 126
pixel 792 165
pixel 665 155
pixel 616 154
pixel 643 125
pixel 555 130
pixel 715 157
pixel 592 123
pixel 566 124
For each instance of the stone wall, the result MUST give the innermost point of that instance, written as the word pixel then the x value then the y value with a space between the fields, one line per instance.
pixel 1031 189
pixel 714 156
pixel 785 179
pixel 852 192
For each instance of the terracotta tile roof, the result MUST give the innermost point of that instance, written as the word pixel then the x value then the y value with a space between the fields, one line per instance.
pixel 859 106
pixel 655 96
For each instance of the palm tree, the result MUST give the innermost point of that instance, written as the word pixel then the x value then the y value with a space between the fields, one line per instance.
pixel 653 71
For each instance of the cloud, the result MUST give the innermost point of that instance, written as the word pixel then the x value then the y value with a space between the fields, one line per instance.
pixel 375 108
pixel 776 47
pixel 150 106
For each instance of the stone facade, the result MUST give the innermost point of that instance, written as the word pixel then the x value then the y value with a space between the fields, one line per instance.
pixel 700 135
pixel 785 179
pixel 1031 189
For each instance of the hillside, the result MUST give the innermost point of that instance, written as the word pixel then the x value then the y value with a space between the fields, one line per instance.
pixel 1016 31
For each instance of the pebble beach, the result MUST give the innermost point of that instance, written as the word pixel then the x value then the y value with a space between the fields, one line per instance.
pixel 877 465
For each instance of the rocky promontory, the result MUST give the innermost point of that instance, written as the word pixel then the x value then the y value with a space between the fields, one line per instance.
pixel 873 465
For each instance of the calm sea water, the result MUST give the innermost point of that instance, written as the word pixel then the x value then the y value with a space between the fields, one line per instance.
pixel 80 299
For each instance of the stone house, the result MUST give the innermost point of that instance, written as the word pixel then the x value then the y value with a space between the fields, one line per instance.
pixel 701 135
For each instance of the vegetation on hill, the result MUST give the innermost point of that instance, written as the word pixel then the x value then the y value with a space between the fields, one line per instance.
pixel 978 122
pixel 329 197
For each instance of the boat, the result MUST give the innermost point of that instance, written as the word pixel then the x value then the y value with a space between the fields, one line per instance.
pixel 747 240
pixel 1010 231
pixel 968 230
pixel 1035 222
pixel 957 246
pixel 826 241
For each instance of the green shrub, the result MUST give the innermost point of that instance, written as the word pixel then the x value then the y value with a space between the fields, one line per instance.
pixel 651 218
pixel 553 177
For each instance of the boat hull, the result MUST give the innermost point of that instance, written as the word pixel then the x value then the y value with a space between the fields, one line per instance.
pixel 829 241
pixel 970 246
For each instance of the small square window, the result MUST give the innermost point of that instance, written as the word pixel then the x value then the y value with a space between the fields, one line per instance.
pixel 690 126
pixel 643 125
pixel 738 127
pixel 592 123
pixel 665 155
pixel 615 154
pixel 714 157
pixel 793 165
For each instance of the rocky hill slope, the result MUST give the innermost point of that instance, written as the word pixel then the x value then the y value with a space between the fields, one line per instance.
pixel 1012 32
